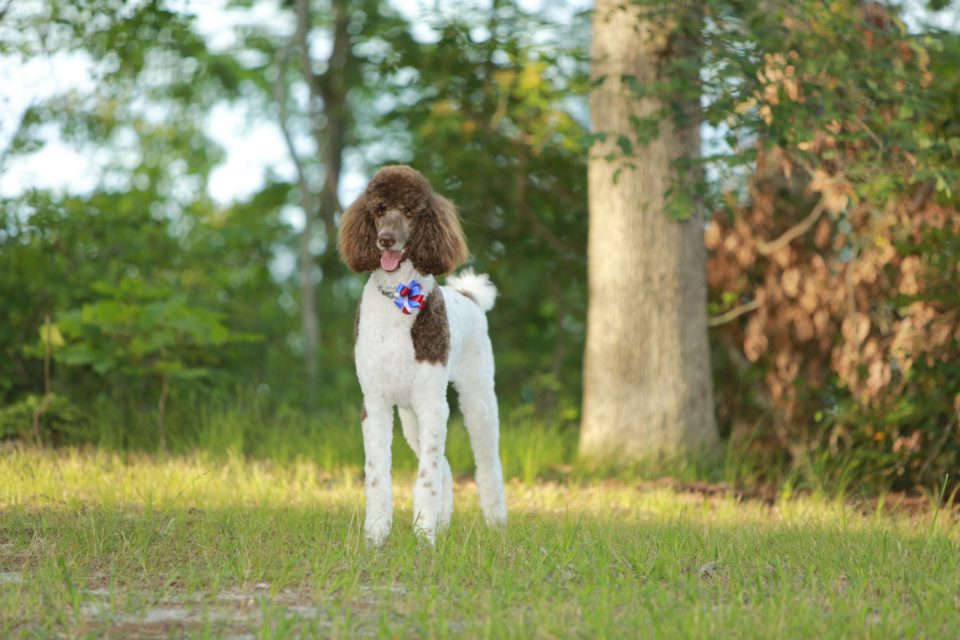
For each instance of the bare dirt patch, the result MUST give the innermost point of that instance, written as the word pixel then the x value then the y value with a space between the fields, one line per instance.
pixel 231 613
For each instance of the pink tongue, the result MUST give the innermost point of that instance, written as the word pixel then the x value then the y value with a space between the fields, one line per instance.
pixel 390 260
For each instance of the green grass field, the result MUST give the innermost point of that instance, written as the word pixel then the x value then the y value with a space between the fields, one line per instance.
pixel 96 544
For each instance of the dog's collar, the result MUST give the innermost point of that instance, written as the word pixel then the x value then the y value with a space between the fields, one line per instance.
pixel 389 290
pixel 389 284
pixel 409 297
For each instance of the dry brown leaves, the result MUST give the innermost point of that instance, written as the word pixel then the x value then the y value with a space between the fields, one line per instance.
pixel 827 298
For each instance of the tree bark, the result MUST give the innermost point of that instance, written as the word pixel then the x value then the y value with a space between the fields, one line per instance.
pixel 333 90
pixel 329 120
pixel 162 410
pixel 329 117
pixel 333 85
pixel 309 323
pixel 647 381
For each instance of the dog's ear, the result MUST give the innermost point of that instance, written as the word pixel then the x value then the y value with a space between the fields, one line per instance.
pixel 438 246
pixel 358 237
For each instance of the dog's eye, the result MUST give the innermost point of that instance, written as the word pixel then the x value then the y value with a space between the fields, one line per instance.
pixel 381 209
pixel 408 213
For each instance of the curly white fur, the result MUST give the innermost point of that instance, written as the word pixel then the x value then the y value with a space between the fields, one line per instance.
pixel 390 375
pixel 477 285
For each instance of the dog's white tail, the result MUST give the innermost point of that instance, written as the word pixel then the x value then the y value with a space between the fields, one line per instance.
pixel 476 286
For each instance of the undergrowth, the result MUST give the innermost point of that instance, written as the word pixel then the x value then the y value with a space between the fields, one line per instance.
pixel 532 447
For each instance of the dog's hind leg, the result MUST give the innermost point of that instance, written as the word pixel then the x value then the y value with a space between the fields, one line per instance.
pixel 478 401
pixel 411 431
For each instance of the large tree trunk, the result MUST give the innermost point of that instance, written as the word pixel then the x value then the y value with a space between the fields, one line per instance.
pixel 647 385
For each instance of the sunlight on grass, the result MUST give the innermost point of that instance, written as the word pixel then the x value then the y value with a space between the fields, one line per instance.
pixel 93 542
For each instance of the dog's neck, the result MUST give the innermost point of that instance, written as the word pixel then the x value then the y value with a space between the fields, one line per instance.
pixel 405 273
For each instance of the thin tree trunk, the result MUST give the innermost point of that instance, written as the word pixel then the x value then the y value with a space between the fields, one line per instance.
pixel 308 288
pixel 47 393
pixel 332 86
pixel 329 121
pixel 647 384
pixel 309 324
pixel 328 112
pixel 333 90
pixel 162 410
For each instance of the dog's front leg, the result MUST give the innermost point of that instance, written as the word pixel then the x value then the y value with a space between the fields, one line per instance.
pixel 377 422
pixel 432 412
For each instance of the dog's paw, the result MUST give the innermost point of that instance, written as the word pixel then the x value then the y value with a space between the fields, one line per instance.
pixel 496 515
pixel 427 535
pixel 377 533
pixel 444 522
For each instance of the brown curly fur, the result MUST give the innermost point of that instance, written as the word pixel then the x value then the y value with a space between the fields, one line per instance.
pixel 431 332
pixel 437 245
pixel 358 237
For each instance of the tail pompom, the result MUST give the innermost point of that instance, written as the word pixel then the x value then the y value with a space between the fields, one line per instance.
pixel 476 286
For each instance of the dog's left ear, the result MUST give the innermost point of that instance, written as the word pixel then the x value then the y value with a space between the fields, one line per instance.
pixel 438 245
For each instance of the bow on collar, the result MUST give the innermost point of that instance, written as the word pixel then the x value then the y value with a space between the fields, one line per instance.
pixel 408 297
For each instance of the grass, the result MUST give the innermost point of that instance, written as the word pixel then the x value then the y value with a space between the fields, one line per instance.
pixel 101 544
pixel 533 447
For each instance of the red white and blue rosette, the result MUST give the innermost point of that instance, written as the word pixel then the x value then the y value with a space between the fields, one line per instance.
pixel 408 297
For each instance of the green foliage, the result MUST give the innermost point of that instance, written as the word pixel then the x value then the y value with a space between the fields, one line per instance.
pixel 59 419
pixel 494 117
pixel 145 274
pixel 785 75
pixel 788 78
pixel 138 330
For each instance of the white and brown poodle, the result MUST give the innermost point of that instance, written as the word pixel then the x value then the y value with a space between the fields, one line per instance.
pixel 413 338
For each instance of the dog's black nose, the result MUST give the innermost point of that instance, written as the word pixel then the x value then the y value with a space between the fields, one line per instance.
pixel 386 240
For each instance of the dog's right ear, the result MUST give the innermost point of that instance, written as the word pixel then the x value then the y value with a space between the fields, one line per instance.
pixel 358 237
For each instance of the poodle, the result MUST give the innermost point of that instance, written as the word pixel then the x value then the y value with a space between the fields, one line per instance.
pixel 412 338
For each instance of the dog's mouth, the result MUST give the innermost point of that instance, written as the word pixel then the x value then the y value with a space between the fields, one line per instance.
pixel 390 260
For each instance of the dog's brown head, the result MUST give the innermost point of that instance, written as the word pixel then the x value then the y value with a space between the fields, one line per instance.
pixel 399 217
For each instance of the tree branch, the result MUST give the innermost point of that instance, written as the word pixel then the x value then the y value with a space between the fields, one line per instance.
pixel 938 447
pixel 769 248
pixel 922 195
pixel 733 314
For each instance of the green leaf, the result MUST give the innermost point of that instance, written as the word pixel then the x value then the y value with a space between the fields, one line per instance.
pixel 679 205
pixel 51 336
pixel 81 354
pixel 190 374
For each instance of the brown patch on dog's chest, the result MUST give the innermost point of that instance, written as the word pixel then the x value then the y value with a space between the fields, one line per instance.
pixel 430 331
